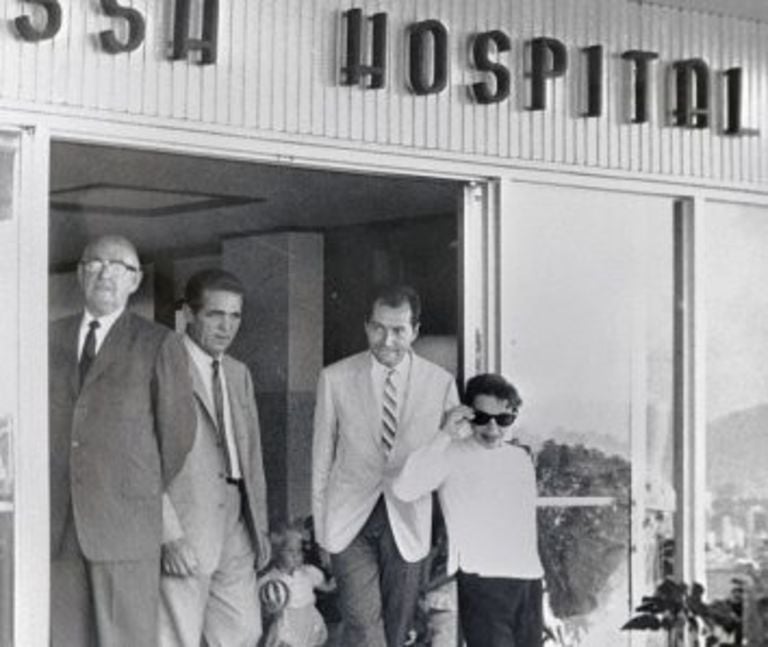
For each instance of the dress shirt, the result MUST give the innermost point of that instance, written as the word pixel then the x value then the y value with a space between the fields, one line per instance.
pixel 488 498
pixel 402 373
pixel 203 362
pixel 105 324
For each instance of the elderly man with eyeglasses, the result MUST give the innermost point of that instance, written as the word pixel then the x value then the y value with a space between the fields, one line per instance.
pixel 487 488
pixel 122 421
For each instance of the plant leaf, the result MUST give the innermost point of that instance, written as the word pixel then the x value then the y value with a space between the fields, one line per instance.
pixel 642 622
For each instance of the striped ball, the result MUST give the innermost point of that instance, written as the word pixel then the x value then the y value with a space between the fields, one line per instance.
pixel 274 595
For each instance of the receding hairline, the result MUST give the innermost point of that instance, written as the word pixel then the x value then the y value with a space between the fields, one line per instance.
pixel 113 239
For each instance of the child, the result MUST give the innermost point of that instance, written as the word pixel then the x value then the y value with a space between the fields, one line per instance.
pixel 487 490
pixel 297 623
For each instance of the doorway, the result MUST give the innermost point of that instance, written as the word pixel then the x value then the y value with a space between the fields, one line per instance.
pixel 309 244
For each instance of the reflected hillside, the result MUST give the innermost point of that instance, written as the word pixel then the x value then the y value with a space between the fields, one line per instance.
pixel 737 447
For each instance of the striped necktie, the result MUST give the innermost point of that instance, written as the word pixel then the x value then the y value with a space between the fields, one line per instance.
pixel 389 412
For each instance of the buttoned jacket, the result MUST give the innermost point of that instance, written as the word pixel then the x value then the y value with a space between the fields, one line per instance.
pixel 119 440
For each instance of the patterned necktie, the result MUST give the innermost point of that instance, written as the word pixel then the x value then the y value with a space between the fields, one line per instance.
pixel 389 412
pixel 89 351
pixel 218 405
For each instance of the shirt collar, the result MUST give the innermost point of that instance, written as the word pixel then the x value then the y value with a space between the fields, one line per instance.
pixel 400 369
pixel 198 354
pixel 105 321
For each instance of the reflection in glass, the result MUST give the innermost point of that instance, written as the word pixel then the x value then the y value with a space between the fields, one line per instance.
pixel 9 297
pixel 6 532
pixel 587 316
pixel 736 267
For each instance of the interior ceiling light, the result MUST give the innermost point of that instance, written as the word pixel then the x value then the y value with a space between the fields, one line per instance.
pixel 124 200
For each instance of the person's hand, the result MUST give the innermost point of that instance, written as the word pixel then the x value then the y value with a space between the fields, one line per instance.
pixel 325 559
pixel 264 548
pixel 178 558
pixel 456 422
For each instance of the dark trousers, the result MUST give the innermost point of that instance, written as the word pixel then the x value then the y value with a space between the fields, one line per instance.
pixel 102 604
pixel 378 589
pixel 500 611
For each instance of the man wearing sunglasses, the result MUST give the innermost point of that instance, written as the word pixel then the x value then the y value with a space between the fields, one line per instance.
pixel 487 488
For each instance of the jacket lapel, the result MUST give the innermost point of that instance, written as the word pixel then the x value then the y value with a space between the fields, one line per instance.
pixel 201 393
pixel 363 395
pixel 69 346
pixel 413 392
pixel 111 348
pixel 237 409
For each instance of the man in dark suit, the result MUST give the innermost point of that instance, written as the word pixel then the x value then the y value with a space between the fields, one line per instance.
pixel 373 409
pixel 215 512
pixel 121 425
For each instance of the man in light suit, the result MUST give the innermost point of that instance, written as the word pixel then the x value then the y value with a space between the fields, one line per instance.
pixel 373 409
pixel 215 513
pixel 121 424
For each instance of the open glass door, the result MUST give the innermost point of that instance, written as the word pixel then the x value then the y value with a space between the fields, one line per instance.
pixel 23 376
pixel 586 331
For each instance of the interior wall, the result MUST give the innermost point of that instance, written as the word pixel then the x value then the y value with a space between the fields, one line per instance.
pixel 422 253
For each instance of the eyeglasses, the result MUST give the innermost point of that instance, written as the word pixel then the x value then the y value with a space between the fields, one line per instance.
pixel 504 419
pixel 97 265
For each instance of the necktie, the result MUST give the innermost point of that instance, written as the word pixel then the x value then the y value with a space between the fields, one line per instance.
pixel 218 405
pixel 389 412
pixel 89 350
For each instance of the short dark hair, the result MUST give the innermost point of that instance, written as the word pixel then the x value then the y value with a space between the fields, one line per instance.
pixel 394 296
pixel 494 385
pixel 212 279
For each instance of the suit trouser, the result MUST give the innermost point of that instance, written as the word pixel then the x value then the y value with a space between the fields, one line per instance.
pixel 378 589
pixel 500 611
pixel 102 604
pixel 221 607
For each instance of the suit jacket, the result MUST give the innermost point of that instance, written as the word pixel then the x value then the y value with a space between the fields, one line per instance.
pixel 191 508
pixel 349 467
pixel 116 443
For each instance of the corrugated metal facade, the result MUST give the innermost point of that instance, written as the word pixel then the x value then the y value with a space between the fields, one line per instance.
pixel 279 68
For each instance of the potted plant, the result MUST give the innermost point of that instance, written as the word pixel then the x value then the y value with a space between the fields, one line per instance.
pixel 680 611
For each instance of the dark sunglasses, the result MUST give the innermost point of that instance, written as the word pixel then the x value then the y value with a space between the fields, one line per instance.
pixel 502 419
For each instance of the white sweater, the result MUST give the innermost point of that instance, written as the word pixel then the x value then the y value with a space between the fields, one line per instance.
pixel 488 497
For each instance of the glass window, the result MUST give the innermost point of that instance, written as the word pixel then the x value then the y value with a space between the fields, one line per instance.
pixel 736 276
pixel 8 378
pixel 587 335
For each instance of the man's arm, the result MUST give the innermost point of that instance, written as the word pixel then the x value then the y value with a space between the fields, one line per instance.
pixel 174 406
pixel 323 452
pixel 426 468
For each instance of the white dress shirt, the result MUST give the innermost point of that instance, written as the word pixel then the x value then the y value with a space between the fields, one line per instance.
pixel 105 324
pixel 203 362
pixel 488 498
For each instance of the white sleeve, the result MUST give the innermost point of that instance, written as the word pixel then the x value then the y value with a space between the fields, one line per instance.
pixel 315 575
pixel 424 470
pixel 172 528
pixel 323 451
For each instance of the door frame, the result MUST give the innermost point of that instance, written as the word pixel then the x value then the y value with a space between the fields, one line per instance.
pixel 487 191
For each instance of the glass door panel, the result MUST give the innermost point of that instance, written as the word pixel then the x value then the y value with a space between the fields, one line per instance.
pixel 587 335
pixel 23 388
pixel 736 275
pixel 9 396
